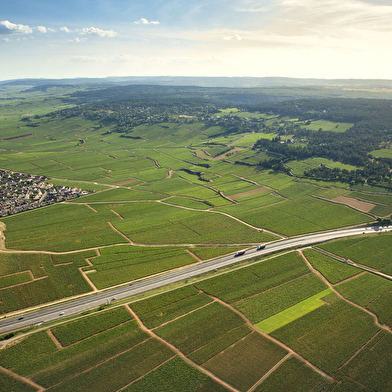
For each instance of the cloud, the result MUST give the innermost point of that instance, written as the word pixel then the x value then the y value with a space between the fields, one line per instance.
pixel 41 29
pixel 235 37
pixel 7 27
pixel 146 22
pixel 6 40
pixel 77 39
pixel 65 29
pixel 312 16
pixel 99 32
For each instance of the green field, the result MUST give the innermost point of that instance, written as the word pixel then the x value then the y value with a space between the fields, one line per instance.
pixel 333 270
pixel 197 329
pixel 333 334
pixel 299 167
pixel 170 183
pixel 383 153
pixel 328 126
pixel 378 351
pixel 127 263
pixel 51 281
pixel 173 376
pixel 271 302
pixel 73 332
pixel 294 376
pixel 371 292
pixel 245 362
pixel 372 251
pixel 287 316
pixel 302 215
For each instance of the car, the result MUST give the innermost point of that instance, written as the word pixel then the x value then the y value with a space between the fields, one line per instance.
pixel 113 299
pixel 20 318
pixel 239 253
pixel 261 247
pixel 61 314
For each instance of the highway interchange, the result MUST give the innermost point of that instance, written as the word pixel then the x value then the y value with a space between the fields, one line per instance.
pixel 70 308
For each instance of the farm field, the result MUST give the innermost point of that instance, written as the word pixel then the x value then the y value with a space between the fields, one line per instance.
pixel 333 334
pixel 118 265
pixel 378 350
pixel 245 362
pixel 372 292
pixel 328 126
pixel 372 251
pixel 35 279
pixel 383 153
pixel 252 280
pixel 290 314
pixel 333 270
pixel 166 190
pixel 299 167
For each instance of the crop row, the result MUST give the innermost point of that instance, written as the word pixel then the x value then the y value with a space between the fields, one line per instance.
pixel 176 375
pixel 79 258
pixel 162 300
pixel 162 315
pixel 17 278
pixel 68 362
pixel 264 305
pixel 219 344
pixel 75 331
pixel 329 335
pixel 257 278
pixel 125 270
pixel 118 371
pixel 334 271
pixel 294 376
pixel 372 251
pixel 245 362
pixel 197 329
pixel 371 292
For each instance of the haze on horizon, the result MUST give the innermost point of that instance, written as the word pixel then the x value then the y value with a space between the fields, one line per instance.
pixel 328 39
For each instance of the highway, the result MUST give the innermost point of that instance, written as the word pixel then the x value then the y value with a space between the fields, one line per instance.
pixel 57 312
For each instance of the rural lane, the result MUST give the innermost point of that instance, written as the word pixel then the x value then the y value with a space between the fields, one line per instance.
pixel 66 309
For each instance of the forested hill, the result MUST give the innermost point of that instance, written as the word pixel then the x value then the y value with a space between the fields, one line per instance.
pixel 220 94
pixel 337 109
pixel 372 129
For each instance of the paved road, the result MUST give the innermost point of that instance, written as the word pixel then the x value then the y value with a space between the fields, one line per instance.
pixel 92 301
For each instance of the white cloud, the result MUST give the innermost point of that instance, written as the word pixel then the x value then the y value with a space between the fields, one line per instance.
pixel 41 29
pixel 235 37
pixel 77 39
pixel 6 40
pixel 329 16
pixel 65 29
pixel 7 27
pixel 99 32
pixel 146 22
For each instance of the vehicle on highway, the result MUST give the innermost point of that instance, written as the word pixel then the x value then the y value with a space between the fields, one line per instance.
pixel 261 247
pixel 240 252
pixel 113 299
pixel 20 318
pixel 61 314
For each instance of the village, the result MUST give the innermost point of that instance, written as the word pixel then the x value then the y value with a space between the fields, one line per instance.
pixel 21 192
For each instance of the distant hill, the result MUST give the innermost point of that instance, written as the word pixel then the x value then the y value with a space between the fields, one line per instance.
pixel 232 82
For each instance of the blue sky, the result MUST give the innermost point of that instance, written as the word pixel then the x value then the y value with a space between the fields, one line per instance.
pixel 292 38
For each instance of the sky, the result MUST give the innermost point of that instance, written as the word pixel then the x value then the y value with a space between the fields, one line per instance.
pixel 346 39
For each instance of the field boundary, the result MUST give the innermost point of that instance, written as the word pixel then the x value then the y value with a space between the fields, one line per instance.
pixel 325 280
pixel 25 380
pixel 179 353
pixel 272 339
pixel 266 375
pixel 344 204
